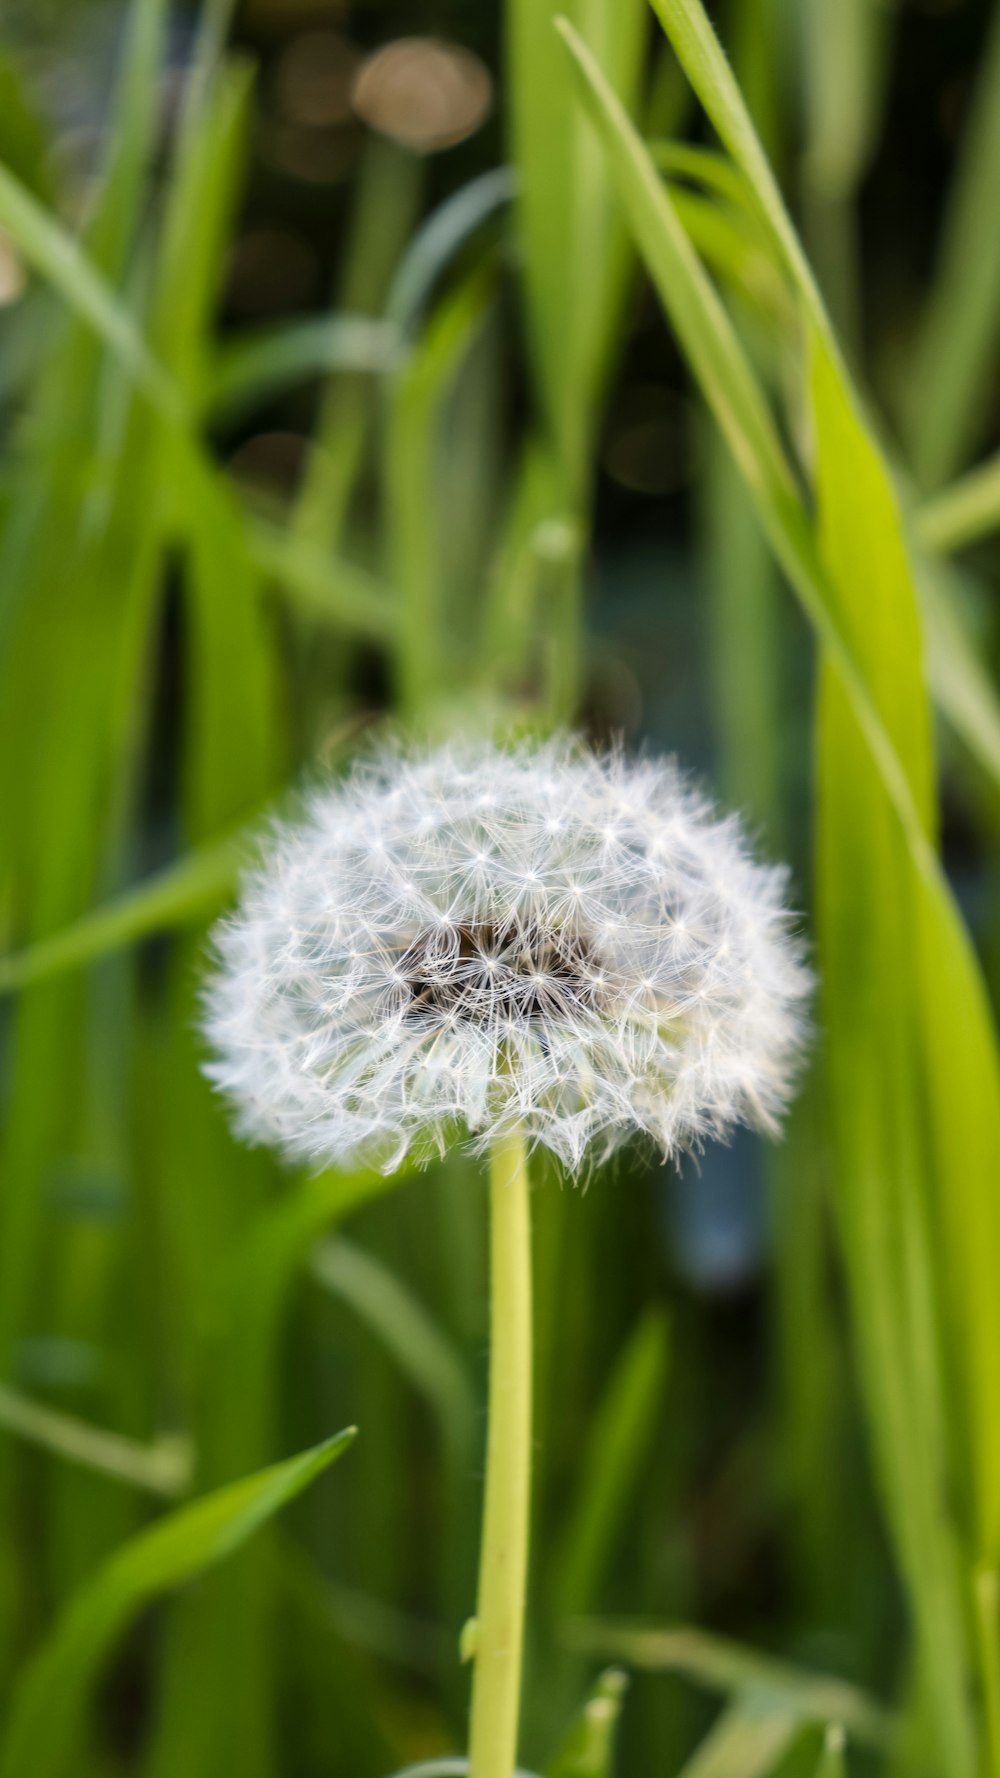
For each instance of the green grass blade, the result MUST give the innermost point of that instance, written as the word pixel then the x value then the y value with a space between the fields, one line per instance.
pixel 962 513
pixel 416 397
pixel 176 896
pixel 39 1741
pixel 720 1665
pixel 407 1330
pixel 437 242
pixel 164 1468
pixel 832 1763
pixel 744 1743
pixel 324 587
pixel 869 929
pixel 949 382
pixel 22 136
pixel 575 256
pixel 588 1750
pixel 739 406
pixel 384 210
pixel 59 259
pixel 254 366
pixel 625 1422
pixel 893 721
pixel 963 688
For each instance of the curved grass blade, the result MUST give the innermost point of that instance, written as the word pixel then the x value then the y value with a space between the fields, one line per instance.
pixel 626 1418
pixel 407 1330
pixel 746 1742
pixel 178 895
pixel 164 1468
pixel 957 353
pixel 254 366
pixel 41 1735
pixel 52 252
pixel 962 513
pixel 720 1665
pixel 322 586
pixel 439 239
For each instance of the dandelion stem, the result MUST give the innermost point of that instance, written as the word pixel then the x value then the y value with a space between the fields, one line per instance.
pixel 503 1562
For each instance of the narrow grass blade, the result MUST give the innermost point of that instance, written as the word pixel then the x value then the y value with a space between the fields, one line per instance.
pixel 575 253
pixel 22 136
pixel 437 242
pixel 407 1330
pixel 164 1468
pixel 588 1750
pixel 745 1743
pixel 720 1665
pixel 57 257
pixel 962 513
pixel 416 396
pixel 182 893
pixel 384 211
pixel 741 410
pixel 888 707
pixel 949 382
pixel 625 1422
pixel 254 366
pixel 40 1741
pixel 832 1763
pixel 963 687
pixel 324 587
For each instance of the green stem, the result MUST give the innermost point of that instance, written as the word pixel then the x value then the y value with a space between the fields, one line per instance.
pixel 503 1562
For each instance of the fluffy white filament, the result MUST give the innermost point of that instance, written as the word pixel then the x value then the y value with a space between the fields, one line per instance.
pixel 465 939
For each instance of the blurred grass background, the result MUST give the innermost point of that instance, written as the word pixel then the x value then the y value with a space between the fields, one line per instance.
pixel 333 387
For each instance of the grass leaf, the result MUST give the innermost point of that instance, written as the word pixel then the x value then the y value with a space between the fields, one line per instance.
pixel 40 1741
pixel 720 1665
pixel 623 1425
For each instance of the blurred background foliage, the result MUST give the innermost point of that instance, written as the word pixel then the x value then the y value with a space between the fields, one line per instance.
pixel 330 389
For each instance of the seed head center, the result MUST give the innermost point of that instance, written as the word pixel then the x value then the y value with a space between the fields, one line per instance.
pixel 482 972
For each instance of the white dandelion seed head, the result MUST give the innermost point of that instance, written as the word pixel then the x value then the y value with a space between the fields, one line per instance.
pixel 473 938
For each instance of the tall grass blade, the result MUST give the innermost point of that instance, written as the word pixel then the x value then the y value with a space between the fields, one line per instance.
pixel 40 1741
pixel 720 1665
pixel 957 352
pixel 180 894
pixel 624 1424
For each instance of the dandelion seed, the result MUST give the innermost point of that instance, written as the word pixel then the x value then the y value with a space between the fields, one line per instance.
pixel 624 965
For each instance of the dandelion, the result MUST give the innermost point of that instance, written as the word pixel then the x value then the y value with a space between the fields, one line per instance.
pixel 526 947
pixel 489 941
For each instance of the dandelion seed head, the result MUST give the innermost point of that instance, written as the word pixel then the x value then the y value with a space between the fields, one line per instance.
pixel 474 938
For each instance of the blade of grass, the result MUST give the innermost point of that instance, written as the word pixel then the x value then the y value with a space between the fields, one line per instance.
pixel 407 1330
pixel 416 395
pixel 726 379
pixel 588 1750
pixel 62 262
pixel 612 1460
pixel 162 1468
pixel 385 207
pixel 744 1743
pixel 832 1763
pixel 256 364
pixel 181 893
pixel 322 586
pixel 438 242
pixel 575 254
pixel 956 354
pixel 720 1665
pixel 962 513
pixel 22 136
pixel 38 1741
